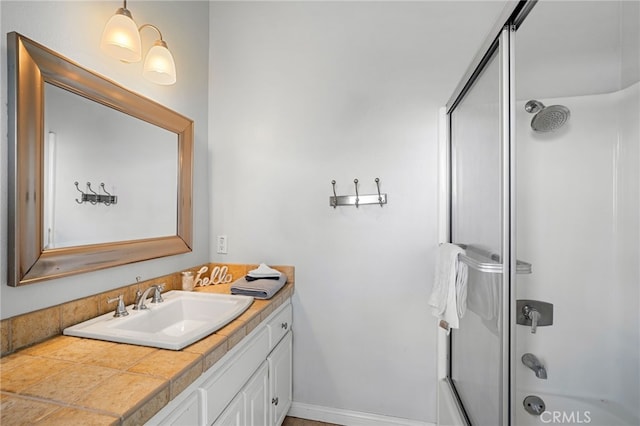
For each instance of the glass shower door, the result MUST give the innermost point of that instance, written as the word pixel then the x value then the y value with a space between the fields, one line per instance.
pixel 477 364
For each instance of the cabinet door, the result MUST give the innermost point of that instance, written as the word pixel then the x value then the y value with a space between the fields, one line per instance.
pixel 185 413
pixel 233 374
pixel 233 415
pixel 280 375
pixel 280 324
pixel 256 398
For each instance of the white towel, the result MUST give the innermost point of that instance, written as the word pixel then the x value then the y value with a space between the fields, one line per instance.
pixel 263 271
pixel 449 295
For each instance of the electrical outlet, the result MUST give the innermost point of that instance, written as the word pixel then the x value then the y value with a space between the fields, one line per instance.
pixel 221 244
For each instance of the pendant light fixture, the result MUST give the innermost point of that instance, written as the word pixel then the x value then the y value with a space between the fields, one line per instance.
pixel 121 39
pixel 159 65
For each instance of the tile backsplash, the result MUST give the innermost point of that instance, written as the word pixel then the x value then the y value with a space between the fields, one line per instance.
pixel 27 329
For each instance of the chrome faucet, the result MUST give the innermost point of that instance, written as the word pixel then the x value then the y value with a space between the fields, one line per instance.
pixel 531 361
pixel 141 297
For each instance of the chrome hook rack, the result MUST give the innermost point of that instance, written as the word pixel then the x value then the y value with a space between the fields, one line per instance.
pixel 94 198
pixel 357 200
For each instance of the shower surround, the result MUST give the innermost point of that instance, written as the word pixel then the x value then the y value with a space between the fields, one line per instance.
pixel 578 196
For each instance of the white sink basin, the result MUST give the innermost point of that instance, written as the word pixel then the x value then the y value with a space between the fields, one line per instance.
pixel 183 318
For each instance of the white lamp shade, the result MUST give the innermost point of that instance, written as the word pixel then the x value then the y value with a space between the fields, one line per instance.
pixel 159 66
pixel 121 38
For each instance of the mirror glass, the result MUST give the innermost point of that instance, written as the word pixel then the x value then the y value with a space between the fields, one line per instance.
pixel 99 176
pixel 94 145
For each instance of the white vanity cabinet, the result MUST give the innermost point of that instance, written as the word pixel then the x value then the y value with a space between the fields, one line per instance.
pixel 186 412
pixel 280 370
pixel 234 414
pixel 251 385
pixel 251 406
pixel 256 398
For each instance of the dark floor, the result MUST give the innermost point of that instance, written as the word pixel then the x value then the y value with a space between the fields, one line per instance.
pixel 295 421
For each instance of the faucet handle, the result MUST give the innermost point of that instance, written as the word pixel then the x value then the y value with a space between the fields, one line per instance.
pixel 121 310
pixel 157 296
pixel 533 315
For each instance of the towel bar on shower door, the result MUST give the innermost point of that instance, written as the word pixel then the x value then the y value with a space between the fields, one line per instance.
pixel 489 262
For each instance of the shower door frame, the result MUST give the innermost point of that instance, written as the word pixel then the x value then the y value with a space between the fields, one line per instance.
pixel 500 40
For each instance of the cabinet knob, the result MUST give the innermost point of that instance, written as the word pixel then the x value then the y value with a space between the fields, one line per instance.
pixel 274 401
pixel 284 325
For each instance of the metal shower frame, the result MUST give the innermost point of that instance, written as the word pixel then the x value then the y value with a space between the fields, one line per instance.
pixel 500 40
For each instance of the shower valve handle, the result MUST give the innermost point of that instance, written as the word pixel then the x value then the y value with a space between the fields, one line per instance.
pixel 533 315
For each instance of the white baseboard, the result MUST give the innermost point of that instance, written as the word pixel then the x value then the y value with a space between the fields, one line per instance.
pixel 348 417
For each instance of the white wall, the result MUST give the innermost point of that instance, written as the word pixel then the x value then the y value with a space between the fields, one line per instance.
pixel 306 92
pixel 137 162
pixel 74 30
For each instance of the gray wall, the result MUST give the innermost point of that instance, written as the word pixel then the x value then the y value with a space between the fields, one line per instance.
pixel 306 92
pixel 74 29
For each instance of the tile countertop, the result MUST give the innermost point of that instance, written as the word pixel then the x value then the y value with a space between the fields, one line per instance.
pixel 70 380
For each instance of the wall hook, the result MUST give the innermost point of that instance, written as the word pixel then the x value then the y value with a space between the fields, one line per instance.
pixel 335 197
pixel 355 181
pixel 94 199
pixel 379 195
pixel 81 192
pixel 357 200
pixel 108 199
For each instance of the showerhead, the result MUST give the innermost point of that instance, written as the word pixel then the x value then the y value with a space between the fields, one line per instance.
pixel 547 119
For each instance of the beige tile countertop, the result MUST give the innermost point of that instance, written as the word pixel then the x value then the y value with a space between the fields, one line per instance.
pixel 71 381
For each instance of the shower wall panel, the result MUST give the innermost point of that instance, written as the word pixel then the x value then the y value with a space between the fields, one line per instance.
pixel 578 203
pixel 578 213
pixel 627 250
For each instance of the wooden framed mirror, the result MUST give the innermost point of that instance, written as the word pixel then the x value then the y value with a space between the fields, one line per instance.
pixel 35 74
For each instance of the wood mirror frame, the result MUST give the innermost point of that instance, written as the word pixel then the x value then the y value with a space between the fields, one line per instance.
pixel 31 65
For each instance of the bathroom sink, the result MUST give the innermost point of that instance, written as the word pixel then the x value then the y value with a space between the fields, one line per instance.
pixel 182 319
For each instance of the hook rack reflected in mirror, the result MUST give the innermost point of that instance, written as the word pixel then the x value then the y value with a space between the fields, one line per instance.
pixel 94 198
pixel 357 200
